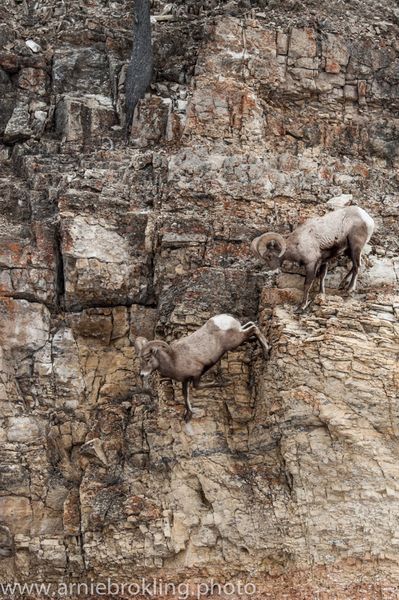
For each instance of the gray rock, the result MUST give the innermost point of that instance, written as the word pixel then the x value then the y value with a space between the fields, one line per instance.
pixel 18 128
pixel 33 46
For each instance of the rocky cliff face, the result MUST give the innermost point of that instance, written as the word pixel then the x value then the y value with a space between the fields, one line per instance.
pixel 258 117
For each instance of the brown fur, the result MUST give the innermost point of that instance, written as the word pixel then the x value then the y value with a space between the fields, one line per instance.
pixel 188 358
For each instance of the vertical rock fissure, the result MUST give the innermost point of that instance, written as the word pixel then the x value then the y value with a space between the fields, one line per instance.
pixel 59 269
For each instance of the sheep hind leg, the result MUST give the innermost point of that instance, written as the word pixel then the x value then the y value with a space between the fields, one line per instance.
pixel 250 329
pixel 188 413
pixel 356 252
pixel 343 283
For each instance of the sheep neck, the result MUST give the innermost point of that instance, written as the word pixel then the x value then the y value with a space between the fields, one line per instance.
pixel 166 362
pixel 289 253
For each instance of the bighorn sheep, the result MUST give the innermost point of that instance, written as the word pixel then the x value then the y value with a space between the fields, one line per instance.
pixel 188 358
pixel 318 240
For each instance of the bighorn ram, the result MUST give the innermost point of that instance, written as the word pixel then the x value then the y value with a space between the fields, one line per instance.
pixel 318 240
pixel 188 358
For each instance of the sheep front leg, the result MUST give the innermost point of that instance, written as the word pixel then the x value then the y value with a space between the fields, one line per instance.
pixel 322 275
pixel 311 271
pixel 210 385
pixel 188 413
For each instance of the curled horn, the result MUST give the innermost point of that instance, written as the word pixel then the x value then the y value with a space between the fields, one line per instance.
pixel 259 244
pixel 158 345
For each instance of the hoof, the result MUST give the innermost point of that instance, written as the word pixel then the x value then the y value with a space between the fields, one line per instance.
pixel 299 310
pixel 302 308
pixel 266 351
pixel 187 416
pixel 222 382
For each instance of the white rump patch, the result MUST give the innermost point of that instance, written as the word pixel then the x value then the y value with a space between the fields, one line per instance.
pixel 225 322
pixel 368 220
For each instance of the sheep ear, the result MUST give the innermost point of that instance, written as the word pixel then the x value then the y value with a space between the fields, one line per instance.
pixel 140 343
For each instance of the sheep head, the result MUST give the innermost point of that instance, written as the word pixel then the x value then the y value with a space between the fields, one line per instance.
pixel 149 352
pixel 270 247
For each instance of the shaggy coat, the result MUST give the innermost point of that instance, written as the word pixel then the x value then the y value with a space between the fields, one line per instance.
pixel 188 358
pixel 317 241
